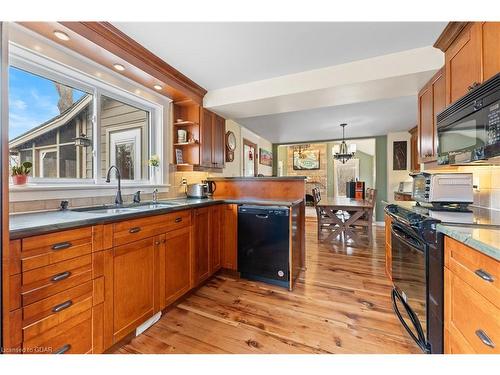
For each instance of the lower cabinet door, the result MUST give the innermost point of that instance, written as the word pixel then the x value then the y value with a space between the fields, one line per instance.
pixel 201 248
pixel 177 264
pixel 133 286
pixel 216 217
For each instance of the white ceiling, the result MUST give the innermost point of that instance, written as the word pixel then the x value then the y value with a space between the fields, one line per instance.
pixel 222 54
pixel 297 81
pixel 364 120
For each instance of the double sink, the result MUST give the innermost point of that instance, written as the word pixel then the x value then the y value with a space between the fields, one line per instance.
pixel 130 208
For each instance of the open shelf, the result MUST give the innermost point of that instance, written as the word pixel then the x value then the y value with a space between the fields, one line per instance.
pixel 185 123
pixel 187 144
pixel 185 167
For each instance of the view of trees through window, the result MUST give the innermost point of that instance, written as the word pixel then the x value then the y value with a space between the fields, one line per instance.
pixel 47 117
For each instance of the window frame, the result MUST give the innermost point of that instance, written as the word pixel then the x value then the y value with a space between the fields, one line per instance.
pixel 45 67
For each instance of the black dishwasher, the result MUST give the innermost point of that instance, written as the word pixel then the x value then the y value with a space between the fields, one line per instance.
pixel 263 243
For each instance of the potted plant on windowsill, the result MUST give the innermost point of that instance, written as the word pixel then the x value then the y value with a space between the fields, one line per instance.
pixel 20 173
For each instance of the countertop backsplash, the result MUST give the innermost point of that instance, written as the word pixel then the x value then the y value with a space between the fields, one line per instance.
pixel 487 178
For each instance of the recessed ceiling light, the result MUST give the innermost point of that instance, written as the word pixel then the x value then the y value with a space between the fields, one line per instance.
pixel 61 35
pixel 119 67
pixel 157 87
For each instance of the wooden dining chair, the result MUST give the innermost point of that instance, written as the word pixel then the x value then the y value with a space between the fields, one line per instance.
pixel 324 221
pixel 366 221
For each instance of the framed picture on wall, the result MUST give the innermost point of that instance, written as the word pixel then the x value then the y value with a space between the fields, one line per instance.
pixel 399 155
pixel 265 157
pixel 306 159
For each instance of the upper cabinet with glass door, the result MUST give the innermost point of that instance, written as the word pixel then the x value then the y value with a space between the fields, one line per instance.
pixel 45 118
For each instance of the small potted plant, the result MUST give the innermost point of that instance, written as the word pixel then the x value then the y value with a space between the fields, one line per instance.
pixel 154 163
pixel 20 173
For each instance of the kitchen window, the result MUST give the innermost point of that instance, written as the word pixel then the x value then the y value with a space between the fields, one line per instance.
pixel 72 128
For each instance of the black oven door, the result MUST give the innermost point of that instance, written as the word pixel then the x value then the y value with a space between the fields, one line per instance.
pixel 409 275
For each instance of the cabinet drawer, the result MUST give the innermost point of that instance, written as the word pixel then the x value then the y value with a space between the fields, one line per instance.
pixel 132 230
pixel 469 314
pixel 49 312
pixel 74 336
pixel 46 281
pixel 40 251
pixel 455 343
pixel 476 269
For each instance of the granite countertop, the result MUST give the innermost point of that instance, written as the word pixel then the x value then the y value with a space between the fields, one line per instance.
pixel 34 223
pixel 482 239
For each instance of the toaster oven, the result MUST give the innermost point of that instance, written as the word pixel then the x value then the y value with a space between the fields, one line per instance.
pixel 443 187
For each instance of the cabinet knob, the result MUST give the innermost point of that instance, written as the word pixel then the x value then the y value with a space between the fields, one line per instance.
pixel 61 276
pixel 63 349
pixel 61 246
pixel 62 306
pixel 484 275
pixel 484 338
pixel 473 86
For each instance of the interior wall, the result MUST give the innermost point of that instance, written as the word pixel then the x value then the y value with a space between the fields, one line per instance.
pixel 381 146
pixel 395 177
pixel 487 180
pixel 261 143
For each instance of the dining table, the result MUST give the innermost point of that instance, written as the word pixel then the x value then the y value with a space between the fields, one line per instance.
pixel 345 224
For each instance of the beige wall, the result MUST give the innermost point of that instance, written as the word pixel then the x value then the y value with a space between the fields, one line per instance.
pixel 487 179
pixel 395 177
pixel 231 169
pixel 235 168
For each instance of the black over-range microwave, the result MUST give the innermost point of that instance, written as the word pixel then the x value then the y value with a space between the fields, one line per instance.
pixel 469 129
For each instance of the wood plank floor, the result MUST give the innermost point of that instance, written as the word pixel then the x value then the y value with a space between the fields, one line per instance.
pixel 341 304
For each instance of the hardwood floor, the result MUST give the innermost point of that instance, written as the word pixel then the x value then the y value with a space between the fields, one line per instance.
pixel 341 304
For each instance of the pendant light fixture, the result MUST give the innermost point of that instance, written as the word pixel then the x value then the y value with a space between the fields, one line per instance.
pixel 342 152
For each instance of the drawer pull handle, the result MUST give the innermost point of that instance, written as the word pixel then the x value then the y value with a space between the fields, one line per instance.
pixel 63 349
pixel 134 230
pixel 178 219
pixel 62 306
pixel 484 275
pixel 61 276
pixel 484 338
pixel 157 242
pixel 61 246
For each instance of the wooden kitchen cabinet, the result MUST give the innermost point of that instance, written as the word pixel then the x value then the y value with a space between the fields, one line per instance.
pixel 431 101
pixel 206 128
pixel 491 51
pixel 216 217
pixel 133 286
pixel 201 245
pixel 414 159
pixel 388 247
pixel 463 63
pixel 218 141
pixel 230 237
pixel 471 55
pixel 212 141
pixel 471 300
pixel 176 246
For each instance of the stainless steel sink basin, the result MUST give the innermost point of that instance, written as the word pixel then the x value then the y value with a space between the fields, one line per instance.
pixel 152 206
pixel 135 207
pixel 106 210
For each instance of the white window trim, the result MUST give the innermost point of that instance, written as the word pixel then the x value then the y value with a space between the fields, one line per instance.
pixel 159 111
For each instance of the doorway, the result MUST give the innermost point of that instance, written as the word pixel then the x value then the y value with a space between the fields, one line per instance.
pixel 250 166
